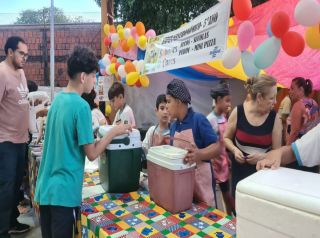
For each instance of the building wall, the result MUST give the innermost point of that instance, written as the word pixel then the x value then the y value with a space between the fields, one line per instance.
pixel 37 38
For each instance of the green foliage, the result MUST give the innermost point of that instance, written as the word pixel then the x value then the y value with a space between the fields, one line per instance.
pixel 162 15
pixel 42 16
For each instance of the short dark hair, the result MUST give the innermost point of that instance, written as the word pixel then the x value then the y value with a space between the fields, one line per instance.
pixel 12 43
pixel 160 99
pixel 115 90
pixel 89 97
pixel 306 84
pixel 32 86
pixel 81 59
pixel 220 90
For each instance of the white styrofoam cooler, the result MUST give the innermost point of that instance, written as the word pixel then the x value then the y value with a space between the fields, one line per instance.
pixel 278 203
pixel 169 157
pixel 122 142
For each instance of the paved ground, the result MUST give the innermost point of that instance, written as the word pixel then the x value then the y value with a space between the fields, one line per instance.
pixel 35 228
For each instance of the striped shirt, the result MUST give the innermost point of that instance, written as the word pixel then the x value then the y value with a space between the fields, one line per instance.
pixel 254 139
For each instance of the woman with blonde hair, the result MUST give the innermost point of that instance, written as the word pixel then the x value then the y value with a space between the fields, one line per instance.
pixel 254 128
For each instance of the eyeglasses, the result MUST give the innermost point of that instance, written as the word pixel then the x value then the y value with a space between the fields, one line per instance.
pixel 22 54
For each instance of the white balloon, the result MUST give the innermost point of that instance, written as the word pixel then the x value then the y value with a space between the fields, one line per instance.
pixel 108 70
pixel 114 37
pixel 135 63
pixel 231 57
pixel 121 71
pixel 307 12
pixel 127 33
pixel 140 66
pixel 106 60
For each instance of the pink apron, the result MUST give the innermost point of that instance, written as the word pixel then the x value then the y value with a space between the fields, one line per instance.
pixel 203 186
pixel 221 164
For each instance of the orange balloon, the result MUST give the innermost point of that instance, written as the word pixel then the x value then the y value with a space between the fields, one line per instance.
pixel 124 46
pixel 129 67
pixel 112 29
pixel 128 24
pixel 141 30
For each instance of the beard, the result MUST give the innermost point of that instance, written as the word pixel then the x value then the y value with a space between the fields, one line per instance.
pixel 16 64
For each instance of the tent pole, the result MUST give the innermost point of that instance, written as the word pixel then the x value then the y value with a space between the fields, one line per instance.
pixel 52 50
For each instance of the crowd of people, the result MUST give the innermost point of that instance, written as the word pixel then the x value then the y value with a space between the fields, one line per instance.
pixel 227 146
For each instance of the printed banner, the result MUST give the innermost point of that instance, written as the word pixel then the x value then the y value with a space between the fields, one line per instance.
pixel 202 40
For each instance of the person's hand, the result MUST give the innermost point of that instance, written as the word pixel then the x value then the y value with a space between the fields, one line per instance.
pixel 272 160
pixel 121 129
pixel 192 155
pixel 238 155
pixel 254 158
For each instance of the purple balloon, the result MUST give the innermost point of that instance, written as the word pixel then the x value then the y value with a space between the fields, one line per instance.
pixel 246 33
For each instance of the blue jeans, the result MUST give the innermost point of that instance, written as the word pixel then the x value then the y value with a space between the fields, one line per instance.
pixel 12 164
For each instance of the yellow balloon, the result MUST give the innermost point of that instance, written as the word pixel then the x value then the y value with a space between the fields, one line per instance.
pixel 142 42
pixel 115 44
pixel 132 78
pixel 144 80
pixel 131 42
pixel 312 36
pixel 108 109
pixel 119 27
pixel 121 34
pixel 106 29
pixel 113 68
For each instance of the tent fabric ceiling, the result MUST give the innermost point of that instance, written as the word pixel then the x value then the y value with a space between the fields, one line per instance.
pixel 284 69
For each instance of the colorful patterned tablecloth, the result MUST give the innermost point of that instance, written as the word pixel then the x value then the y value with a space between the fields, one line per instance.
pixel 135 215
pixel 91 179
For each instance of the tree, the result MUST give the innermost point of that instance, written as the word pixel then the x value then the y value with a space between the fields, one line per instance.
pixel 162 15
pixel 42 16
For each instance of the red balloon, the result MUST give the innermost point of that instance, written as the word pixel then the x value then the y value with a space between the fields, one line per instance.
pixel 242 9
pixel 292 43
pixel 117 65
pixel 280 24
pixel 138 84
pixel 106 41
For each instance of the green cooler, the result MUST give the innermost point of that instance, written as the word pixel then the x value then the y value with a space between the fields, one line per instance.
pixel 120 165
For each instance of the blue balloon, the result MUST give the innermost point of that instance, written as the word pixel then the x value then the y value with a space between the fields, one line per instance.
pixel 101 65
pixel 267 52
pixel 248 65
pixel 269 32
pixel 123 80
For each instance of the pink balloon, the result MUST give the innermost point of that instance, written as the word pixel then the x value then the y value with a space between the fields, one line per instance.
pixel 150 33
pixel 246 33
pixel 134 32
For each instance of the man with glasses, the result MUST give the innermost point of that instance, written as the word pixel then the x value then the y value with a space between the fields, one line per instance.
pixel 14 114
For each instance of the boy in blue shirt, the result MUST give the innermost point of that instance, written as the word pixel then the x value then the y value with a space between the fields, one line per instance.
pixel 192 131
pixel 68 138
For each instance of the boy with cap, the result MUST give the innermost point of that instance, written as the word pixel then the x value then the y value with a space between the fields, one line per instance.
pixel 192 131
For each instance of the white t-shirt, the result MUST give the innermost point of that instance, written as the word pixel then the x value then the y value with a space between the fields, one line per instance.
pixel 307 149
pixel 153 137
pixel 97 116
pixel 125 116
pixel 147 142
